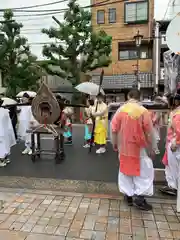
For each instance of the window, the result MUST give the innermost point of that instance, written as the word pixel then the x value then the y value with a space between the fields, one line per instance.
pixel 136 12
pixel 100 17
pixel 131 53
pixel 112 15
pixel 127 54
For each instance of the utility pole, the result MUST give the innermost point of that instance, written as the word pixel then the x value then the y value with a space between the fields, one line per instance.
pixel 56 20
pixel 137 76
pixel 138 40
pixel 157 57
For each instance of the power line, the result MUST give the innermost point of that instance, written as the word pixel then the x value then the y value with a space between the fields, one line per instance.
pixel 34 11
pixel 36 30
pixel 37 25
pixel 39 5
pixel 61 11
pixel 34 18
pixel 42 43
pixel 41 14
pixel 103 3
pixel 167 9
pixel 117 39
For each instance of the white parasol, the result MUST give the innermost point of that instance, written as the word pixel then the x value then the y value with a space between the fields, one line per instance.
pixel 30 93
pixel 173 35
pixel 172 56
pixel 8 101
pixel 89 88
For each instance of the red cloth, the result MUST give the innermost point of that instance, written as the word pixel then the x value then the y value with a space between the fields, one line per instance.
pixel 132 125
pixel 81 116
pixel 155 118
pixel 165 159
pixel 62 119
pixel 173 132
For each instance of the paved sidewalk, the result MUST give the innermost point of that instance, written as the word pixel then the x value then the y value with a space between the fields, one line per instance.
pixel 45 215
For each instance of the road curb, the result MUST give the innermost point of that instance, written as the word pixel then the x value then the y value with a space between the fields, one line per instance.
pixel 20 192
pixel 87 188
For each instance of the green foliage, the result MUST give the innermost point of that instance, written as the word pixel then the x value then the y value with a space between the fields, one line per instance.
pixel 17 64
pixel 77 49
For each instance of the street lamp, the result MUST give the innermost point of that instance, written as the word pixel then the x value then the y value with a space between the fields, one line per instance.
pixel 138 40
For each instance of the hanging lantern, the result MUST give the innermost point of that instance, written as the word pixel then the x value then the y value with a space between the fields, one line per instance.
pixel 138 39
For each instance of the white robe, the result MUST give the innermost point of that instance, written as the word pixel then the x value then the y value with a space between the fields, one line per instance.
pixel 28 135
pixel 173 167
pixel 24 118
pixel 141 185
pixel 138 185
pixel 7 137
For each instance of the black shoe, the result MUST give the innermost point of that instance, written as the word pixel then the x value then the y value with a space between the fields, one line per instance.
pixel 3 163
pixel 7 160
pixel 168 190
pixel 129 200
pixel 142 204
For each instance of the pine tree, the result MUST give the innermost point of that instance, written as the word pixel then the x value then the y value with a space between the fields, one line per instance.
pixel 17 64
pixel 77 49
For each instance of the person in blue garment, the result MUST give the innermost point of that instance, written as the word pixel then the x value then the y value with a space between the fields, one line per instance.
pixel 68 125
pixel 88 123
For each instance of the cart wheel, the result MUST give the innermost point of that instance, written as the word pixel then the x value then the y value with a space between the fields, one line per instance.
pixel 38 154
pixel 60 157
pixel 57 159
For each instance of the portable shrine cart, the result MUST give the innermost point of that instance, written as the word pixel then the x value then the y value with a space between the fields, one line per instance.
pixel 58 150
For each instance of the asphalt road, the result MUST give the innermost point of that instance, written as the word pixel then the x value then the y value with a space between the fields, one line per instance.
pixel 78 165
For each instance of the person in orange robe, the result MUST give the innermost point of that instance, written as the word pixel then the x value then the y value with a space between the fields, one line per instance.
pixel 171 158
pixel 132 133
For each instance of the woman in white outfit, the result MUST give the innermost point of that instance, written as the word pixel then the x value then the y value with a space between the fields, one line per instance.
pixel 26 120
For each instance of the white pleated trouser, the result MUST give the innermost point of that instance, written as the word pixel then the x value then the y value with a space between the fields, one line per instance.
pixel 4 148
pixel 28 141
pixel 139 185
pixel 172 170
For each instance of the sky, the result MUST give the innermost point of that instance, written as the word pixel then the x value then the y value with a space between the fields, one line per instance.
pixel 34 24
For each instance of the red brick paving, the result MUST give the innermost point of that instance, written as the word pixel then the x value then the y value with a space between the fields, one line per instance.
pixel 48 216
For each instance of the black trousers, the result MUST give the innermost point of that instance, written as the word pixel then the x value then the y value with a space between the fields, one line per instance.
pixel 14 128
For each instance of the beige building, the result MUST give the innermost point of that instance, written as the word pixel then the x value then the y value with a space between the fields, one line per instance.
pixel 122 20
